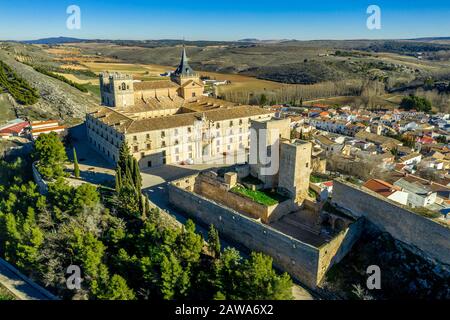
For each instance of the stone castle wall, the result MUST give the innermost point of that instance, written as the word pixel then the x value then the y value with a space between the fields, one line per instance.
pixel 305 262
pixel 220 193
pixel 429 237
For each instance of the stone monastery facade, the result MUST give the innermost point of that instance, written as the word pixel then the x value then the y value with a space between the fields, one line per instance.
pixel 168 121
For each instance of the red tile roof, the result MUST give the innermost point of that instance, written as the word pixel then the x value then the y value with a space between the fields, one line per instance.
pixel 49 129
pixel 17 128
pixel 328 184
pixel 381 187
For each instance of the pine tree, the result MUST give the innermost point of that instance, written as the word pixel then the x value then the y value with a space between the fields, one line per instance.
pixel 76 167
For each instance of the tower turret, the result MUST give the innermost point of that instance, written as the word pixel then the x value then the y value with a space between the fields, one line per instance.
pixel 116 89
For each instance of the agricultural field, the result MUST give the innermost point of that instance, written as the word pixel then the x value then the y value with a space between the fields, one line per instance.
pixel 331 73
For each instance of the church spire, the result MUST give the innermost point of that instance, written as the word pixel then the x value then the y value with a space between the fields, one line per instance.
pixel 184 69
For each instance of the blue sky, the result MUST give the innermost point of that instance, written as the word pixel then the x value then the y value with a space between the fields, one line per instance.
pixel 223 20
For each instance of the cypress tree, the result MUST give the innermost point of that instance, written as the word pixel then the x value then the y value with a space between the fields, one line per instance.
pixel 124 153
pixel 146 206
pixel 128 179
pixel 76 167
pixel 137 175
pixel 214 241
pixel 118 179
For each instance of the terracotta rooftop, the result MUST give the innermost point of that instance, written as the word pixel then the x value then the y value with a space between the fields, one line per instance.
pixel 125 124
pixel 17 128
pixel 325 140
pixel 49 129
pixel 381 187
pixel 154 85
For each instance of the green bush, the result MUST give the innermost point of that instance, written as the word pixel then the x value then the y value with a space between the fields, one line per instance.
pixel 415 102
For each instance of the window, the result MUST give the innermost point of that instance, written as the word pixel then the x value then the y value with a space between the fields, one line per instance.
pixel 228 147
pixel 217 125
pixel 124 86
pixel 218 142
pixel 177 158
pixel 136 148
pixel 134 138
pixel 149 164
pixel 148 136
pixel 240 122
pixel 176 132
pixel 177 151
pixel 231 140
pixel 142 154
pixel 163 134
pixel 177 142
pixel 193 94
pixel 190 155
pixel 149 146
pixel 163 144
pixel 190 148
pixel 189 129
pixel 231 123
pixel 307 165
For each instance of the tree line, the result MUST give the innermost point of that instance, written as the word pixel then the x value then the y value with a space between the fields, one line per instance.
pixel 16 86
pixel 125 249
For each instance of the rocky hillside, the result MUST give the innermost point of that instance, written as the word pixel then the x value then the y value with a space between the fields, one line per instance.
pixel 404 275
pixel 58 100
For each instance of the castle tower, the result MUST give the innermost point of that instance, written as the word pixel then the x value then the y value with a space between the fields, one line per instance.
pixel 295 161
pixel 116 90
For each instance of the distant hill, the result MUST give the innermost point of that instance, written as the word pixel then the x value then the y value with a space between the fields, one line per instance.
pixel 431 39
pixel 55 40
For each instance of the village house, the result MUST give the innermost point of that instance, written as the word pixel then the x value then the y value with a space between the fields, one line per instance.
pixel 387 190
pixel 14 128
pixel 45 127
pixel 419 195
